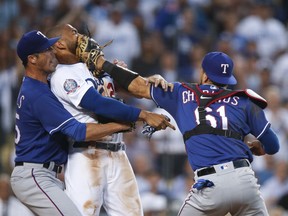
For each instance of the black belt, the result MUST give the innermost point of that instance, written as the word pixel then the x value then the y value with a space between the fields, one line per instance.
pixel 55 168
pixel 99 145
pixel 211 170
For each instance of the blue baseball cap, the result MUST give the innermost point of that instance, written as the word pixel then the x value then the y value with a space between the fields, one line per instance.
pixel 219 68
pixel 33 42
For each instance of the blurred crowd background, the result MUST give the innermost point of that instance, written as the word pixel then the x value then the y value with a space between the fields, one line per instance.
pixel 168 37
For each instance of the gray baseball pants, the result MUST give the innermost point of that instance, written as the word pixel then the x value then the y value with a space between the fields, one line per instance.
pixel 41 191
pixel 235 191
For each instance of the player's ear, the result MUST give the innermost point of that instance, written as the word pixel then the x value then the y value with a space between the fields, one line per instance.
pixel 205 77
pixel 32 59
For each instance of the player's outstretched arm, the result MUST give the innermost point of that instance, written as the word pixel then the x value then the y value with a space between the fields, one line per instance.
pixel 98 131
pixel 140 86
pixel 132 81
pixel 158 121
pixel 90 52
pixel 158 80
pixel 113 109
pixel 93 132
pixel 62 121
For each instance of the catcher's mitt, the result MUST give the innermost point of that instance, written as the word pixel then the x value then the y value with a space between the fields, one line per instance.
pixel 88 51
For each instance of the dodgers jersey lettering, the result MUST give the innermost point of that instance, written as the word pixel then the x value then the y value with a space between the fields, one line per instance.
pixel 236 113
pixel 35 123
pixel 70 83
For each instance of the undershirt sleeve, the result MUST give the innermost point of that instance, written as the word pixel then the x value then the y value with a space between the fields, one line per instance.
pixel 108 107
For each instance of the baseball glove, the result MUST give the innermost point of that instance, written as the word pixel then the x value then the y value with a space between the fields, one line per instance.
pixel 88 51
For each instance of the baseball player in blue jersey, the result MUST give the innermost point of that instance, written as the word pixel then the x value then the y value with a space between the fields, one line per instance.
pixel 214 122
pixel 42 124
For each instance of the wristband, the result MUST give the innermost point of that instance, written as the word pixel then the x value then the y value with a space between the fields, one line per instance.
pixel 121 75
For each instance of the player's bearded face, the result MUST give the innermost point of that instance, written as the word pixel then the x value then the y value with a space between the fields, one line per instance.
pixel 70 35
pixel 71 46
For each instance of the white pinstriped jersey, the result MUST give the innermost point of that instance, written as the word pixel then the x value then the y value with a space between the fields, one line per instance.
pixel 107 178
pixel 70 83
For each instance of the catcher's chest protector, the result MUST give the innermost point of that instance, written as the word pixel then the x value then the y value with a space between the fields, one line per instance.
pixel 205 99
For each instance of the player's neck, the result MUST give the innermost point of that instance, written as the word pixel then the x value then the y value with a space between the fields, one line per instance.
pixel 67 58
pixel 206 82
pixel 37 75
pixel 209 82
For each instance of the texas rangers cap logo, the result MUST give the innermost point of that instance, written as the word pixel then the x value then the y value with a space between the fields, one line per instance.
pixel 70 86
pixel 218 66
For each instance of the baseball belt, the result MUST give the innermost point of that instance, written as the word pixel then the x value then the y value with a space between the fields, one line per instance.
pixel 99 145
pixel 211 170
pixel 48 165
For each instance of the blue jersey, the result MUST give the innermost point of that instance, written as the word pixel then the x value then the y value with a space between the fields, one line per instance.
pixel 40 118
pixel 236 113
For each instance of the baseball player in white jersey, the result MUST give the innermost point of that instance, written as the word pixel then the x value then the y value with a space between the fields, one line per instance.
pixel 95 177
pixel 97 173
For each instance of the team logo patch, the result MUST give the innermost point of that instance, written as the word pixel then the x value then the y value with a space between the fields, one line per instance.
pixel 70 86
pixel 224 167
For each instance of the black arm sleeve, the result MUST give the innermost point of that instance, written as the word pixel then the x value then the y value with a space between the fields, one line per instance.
pixel 121 75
